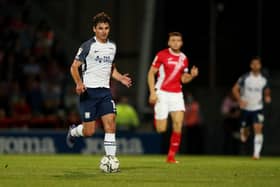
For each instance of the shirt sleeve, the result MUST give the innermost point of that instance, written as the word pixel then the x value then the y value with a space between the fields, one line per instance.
pixel 82 53
pixel 157 61
pixel 115 53
pixel 267 85
pixel 241 80
pixel 186 68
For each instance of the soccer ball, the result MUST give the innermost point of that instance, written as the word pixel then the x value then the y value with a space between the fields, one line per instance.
pixel 109 164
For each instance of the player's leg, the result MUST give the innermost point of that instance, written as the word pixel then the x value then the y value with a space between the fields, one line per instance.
pixel 175 140
pixel 107 111
pixel 88 115
pixel 258 140
pixel 161 125
pixel 244 134
pixel 85 129
pixel 244 129
pixel 258 132
pixel 176 106
pixel 161 112
pixel 109 124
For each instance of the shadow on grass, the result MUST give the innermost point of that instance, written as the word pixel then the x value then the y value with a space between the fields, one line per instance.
pixel 77 174
pixel 86 173
pixel 126 174
pixel 139 168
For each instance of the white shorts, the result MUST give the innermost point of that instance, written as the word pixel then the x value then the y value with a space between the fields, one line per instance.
pixel 168 102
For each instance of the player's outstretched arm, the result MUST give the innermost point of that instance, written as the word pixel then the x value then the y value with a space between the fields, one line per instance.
pixel 188 77
pixel 123 78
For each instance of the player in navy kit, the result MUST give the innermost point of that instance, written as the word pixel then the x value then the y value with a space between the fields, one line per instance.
pixel 95 59
pixel 251 91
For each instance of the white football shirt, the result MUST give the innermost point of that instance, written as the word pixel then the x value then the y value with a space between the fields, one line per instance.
pixel 97 59
pixel 252 88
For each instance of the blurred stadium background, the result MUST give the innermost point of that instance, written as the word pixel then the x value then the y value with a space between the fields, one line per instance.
pixel 40 38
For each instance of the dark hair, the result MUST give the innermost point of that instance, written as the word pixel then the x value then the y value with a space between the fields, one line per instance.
pixel 256 58
pixel 175 34
pixel 101 17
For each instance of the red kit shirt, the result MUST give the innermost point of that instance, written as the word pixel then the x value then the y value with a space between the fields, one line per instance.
pixel 171 66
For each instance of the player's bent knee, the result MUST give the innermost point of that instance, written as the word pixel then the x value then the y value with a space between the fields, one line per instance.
pixel 109 123
pixel 258 128
pixel 161 126
pixel 160 130
pixel 88 131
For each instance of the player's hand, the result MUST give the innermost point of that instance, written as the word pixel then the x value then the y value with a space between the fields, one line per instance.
pixel 126 80
pixel 242 103
pixel 80 88
pixel 267 99
pixel 194 71
pixel 153 98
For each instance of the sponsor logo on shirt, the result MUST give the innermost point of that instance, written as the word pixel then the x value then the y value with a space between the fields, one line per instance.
pixel 172 62
pixel 106 59
pixel 252 89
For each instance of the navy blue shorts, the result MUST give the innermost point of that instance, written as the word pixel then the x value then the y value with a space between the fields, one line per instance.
pixel 249 118
pixel 96 102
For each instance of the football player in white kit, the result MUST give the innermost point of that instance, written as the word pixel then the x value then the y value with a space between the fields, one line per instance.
pixel 251 91
pixel 95 59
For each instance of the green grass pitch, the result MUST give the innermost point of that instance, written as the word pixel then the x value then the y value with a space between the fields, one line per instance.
pixel 142 170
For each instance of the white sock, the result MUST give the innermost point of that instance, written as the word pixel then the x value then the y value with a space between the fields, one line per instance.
pixel 110 144
pixel 258 141
pixel 77 131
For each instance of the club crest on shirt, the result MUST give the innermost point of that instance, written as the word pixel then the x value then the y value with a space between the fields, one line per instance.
pixel 79 51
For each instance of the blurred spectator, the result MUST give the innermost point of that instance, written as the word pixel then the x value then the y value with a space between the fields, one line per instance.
pixel 127 117
pixel 53 72
pixel 44 37
pixel 2 114
pixel 31 68
pixel 230 112
pixel 58 52
pixel 192 137
pixel 70 99
pixel 73 117
pixel 51 98
pixel 15 93
pixel 10 67
pixel 34 96
pixel 21 112
pixel 4 99
pixel 32 65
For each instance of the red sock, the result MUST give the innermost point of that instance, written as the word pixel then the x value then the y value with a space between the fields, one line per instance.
pixel 175 141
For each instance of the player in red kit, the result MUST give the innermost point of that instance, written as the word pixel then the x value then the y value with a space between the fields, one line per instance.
pixel 171 67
